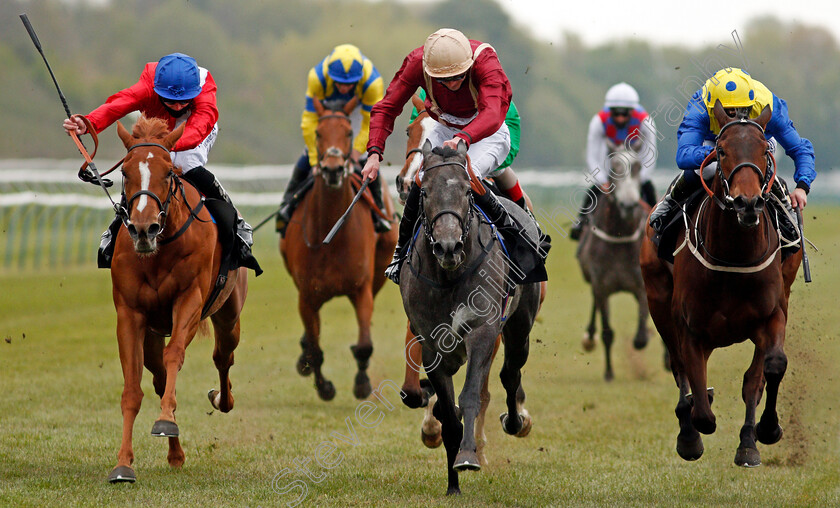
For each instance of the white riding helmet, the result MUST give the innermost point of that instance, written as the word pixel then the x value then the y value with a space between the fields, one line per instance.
pixel 447 53
pixel 621 95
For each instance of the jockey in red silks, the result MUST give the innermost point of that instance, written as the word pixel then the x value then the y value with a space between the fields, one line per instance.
pixel 176 90
pixel 622 121
pixel 468 95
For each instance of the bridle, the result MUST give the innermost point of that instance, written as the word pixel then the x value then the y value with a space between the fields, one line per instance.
pixel 767 176
pixel 428 225
pixel 175 185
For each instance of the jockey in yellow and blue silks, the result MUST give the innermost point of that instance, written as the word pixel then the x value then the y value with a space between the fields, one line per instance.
pixel 745 97
pixel 342 75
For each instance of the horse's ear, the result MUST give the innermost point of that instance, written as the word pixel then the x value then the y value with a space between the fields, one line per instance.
pixel 319 107
pixel 720 114
pixel 427 148
pixel 418 103
pixel 173 137
pixel 462 147
pixel 124 135
pixel 350 105
pixel 764 118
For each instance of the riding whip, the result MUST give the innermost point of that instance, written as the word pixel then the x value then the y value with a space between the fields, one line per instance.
pixel 343 218
pixel 79 144
pixel 806 267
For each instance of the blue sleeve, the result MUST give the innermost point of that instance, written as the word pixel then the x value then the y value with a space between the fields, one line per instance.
pixel 691 134
pixel 796 147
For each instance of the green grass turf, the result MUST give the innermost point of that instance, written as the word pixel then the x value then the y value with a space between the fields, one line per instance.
pixel 593 443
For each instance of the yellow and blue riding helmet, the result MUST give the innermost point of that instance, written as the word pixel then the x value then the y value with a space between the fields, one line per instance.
pixel 345 64
pixel 733 87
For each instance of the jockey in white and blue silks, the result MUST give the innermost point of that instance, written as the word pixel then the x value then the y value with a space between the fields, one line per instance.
pixel 740 94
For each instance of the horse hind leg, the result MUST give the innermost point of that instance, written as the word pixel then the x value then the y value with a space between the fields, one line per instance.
pixel 747 454
pixel 226 329
pixel 588 342
pixel 153 359
pixel 607 334
pixel 516 354
pixel 689 441
pixel 430 429
pixel 768 431
pixel 640 341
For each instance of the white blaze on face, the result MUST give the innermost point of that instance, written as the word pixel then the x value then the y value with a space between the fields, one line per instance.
pixel 145 176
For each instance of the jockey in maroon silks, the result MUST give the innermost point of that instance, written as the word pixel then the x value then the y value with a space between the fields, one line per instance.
pixel 468 95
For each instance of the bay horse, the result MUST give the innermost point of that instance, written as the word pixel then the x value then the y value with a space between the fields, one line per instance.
pixel 165 266
pixel 727 284
pixel 352 264
pixel 609 248
pixel 459 296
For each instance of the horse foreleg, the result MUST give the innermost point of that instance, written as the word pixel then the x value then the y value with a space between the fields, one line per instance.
pixel 312 357
pixel 607 335
pixel 641 339
pixel 480 436
pixel 478 369
pixel 444 411
pixel 768 430
pixel 588 342
pixel 153 359
pixel 186 314
pixel 363 349
pixel 516 354
pixel 430 429
pixel 130 327
pixel 694 361
pixel 747 453
pixel 689 441
pixel 413 395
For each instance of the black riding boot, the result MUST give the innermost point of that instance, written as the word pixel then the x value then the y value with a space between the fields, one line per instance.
pixel 787 217
pixel 107 241
pixel 207 184
pixel 528 257
pixel 648 192
pixel 409 219
pixel 679 190
pixel 380 223
pixel 294 192
pixel 586 208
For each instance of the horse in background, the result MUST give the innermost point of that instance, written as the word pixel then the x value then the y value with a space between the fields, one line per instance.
pixel 457 268
pixel 352 264
pixel 727 284
pixel 609 248
pixel 165 266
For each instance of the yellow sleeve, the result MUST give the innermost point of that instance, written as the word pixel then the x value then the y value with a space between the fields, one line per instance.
pixel 374 93
pixel 309 119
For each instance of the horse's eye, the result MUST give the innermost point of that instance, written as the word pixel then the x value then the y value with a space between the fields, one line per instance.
pixel 720 153
pixel 317 135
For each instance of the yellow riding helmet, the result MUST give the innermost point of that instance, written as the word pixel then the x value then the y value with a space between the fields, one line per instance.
pixel 447 53
pixel 733 87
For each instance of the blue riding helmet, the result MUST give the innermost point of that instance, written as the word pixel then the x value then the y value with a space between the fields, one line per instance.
pixel 177 77
pixel 345 64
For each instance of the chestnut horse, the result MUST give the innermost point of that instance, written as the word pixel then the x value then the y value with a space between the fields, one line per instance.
pixel 727 284
pixel 165 266
pixel 416 395
pixel 608 253
pixel 352 264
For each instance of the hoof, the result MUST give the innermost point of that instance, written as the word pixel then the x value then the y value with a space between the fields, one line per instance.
pixel 326 390
pixel 165 428
pixel 122 474
pixel 587 343
pixel 768 437
pixel 453 491
pixel 527 423
pixel 511 426
pixel 431 440
pixel 640 342
pixel 690 449
pixel 466 460
pixel 413 399
pixel 361 387
pixel 609 376
pixel 304 368
pixel 747 457
pixel 215 397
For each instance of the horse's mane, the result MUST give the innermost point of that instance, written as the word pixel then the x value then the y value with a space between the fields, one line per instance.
pixel 444 151
pixel 150 128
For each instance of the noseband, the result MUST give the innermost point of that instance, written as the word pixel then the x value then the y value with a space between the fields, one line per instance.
pixel 163 206
pixel 765 177
pixel 428 225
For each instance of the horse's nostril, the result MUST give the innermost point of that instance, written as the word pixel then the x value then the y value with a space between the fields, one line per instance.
pixel 459 247
pixel 154 229
pixel 437 250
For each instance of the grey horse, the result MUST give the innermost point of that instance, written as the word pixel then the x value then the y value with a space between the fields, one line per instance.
pixel 458 294
pixel 609 249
